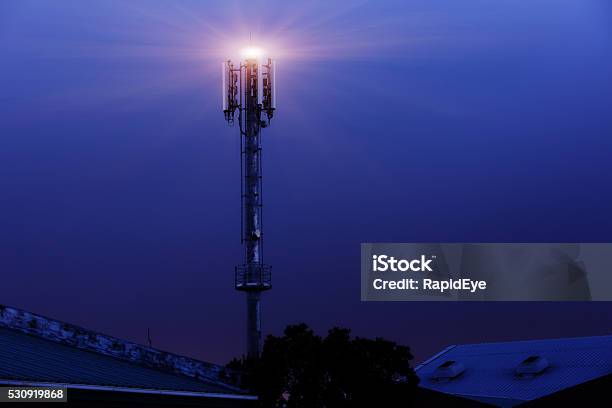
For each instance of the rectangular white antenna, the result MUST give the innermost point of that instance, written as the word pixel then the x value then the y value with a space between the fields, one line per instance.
pixel 272 79
pixel 225 74
pixel 260 88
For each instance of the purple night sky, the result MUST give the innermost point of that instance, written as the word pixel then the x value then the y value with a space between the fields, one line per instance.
pixel 437 121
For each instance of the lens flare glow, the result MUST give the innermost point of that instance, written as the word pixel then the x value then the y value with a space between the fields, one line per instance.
pixel 178 47
pixel 252 53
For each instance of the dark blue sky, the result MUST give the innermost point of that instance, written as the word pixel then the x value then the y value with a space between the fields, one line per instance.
pixel 398 121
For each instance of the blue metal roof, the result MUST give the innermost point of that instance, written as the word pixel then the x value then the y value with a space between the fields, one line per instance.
pixel 490 368
pixel 31 359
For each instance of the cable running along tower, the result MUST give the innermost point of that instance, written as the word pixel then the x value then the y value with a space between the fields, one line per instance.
pixel 249 90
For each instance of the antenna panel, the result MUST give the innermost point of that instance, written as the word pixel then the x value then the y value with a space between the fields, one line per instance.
pixel 272 81
pixel 260 86
pixel 225 82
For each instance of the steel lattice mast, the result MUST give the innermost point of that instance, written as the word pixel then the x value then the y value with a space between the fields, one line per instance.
pixel 249 89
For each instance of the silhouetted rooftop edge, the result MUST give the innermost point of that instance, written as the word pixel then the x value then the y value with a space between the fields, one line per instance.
pixel 38 349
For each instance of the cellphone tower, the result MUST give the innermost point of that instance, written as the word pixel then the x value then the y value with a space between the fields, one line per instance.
pixel 249 89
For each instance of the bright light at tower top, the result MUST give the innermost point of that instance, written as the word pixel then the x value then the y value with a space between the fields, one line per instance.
pixel 252 53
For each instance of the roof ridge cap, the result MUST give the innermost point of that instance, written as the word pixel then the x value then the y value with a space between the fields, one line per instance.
pixel 85 339
pixel 538 339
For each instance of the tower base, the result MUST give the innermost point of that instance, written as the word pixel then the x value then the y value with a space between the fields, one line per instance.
pixel 253 299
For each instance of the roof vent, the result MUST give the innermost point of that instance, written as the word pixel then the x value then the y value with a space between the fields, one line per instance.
pixel 531 366
pixel 448 370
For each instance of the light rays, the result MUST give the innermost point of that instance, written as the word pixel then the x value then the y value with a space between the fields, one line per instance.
pixel 143 51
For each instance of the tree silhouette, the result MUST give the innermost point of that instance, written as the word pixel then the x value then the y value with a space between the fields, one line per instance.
pixel 301 369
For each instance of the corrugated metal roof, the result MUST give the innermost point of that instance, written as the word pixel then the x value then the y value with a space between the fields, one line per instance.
pixel 27 358
pixel 490 367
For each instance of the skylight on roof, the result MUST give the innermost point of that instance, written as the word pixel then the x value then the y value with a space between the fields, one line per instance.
pixel 448 370
pixel 531 366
